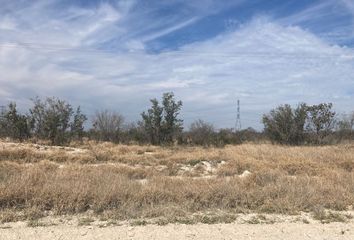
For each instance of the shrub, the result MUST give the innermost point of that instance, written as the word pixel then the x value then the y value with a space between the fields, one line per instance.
pixel 286 125
pixel 108 125
pixel 201 133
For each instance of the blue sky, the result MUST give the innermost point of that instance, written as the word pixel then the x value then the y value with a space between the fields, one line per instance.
pixel 118 54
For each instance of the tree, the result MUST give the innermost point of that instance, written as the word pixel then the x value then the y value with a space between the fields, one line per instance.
pixel 57 120
pixel 15 125
pixel 286 125
pixel 345 126
pixel 248 135
pixel 161 123
pixel 346 123
pixel 108 125
pixel 172 125
pixel 228 136
pixel 77 126
pixel 152 122
pixel 51 119
pixel 300 117
pixel 3 129
pixel 201 133
pixel 134 133
pixel 321 120
pixel 37 113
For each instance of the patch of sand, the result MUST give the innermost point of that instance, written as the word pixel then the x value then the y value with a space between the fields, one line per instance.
pixel 40 147
pixel 285 230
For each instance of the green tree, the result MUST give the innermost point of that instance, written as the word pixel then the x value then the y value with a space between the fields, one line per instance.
pixel 77 126
pixel 57 120
pixel 152 122
pixel 15 125
pixel 172 125
pixel 51 119
pixel 161 123
pixel 286 125
pixel 321 120
pixel 300 118
pixel 346 123
pixel 345 126
pixel 3 129
pixel 37 113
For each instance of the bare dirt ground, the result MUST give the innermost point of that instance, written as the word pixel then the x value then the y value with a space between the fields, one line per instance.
pixel 246 226
pixel 274 231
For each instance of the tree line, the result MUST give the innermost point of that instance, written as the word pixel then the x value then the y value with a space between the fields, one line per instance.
pixel 58 122
pixel 307 124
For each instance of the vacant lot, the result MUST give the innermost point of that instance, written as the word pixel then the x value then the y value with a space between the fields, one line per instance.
pixel 147 184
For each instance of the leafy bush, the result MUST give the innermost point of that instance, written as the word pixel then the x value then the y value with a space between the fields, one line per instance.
pixel 286 125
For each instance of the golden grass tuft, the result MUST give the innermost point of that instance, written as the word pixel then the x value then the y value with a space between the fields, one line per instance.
pixel 136 182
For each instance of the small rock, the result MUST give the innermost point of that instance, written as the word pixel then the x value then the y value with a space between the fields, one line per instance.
pixel 246 173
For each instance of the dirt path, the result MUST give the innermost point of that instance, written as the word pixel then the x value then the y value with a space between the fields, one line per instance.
pixel 294 231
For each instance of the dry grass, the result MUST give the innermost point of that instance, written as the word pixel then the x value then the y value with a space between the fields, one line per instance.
pixel 144 182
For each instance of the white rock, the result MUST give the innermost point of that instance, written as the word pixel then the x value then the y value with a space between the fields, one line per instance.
pixel 246 173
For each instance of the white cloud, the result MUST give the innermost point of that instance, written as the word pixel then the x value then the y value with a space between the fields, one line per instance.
pixel 316 11
pixel 263 63
pixel 6 23
pixel 170 29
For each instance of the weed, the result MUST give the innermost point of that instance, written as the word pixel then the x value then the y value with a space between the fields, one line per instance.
pixel 112 222
pixel 259 219
pixel 139 223
pixel 184 220
pixel 9 216
pixel 194 162
pixel 86 221
pixel 253 220
pixel 162 221
pixel 328 216
pixel 213 219
pixel 36 223
pixel 305 221
pixel 5 227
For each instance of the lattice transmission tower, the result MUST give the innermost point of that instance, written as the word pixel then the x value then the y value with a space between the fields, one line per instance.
pixel 238 117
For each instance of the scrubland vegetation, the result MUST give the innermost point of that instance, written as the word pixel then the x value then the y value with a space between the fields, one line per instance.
pixel 174 184
pixel 154 170
pixel 55 120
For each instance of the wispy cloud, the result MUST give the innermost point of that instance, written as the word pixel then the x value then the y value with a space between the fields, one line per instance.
pixel 350 5
pixel 329 19
pixel 316 11
pixel 169 29
pixel 264 63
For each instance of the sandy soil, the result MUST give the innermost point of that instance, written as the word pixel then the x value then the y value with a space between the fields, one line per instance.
pixel 180 231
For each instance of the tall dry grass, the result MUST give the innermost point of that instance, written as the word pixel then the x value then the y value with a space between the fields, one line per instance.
pixel 142 181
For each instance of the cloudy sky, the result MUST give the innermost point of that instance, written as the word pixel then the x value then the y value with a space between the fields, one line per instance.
pixel 118 54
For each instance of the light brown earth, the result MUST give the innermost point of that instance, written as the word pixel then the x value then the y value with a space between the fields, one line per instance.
pixel 296 231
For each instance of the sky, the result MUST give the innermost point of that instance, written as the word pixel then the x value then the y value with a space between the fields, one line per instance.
pixel 117 55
